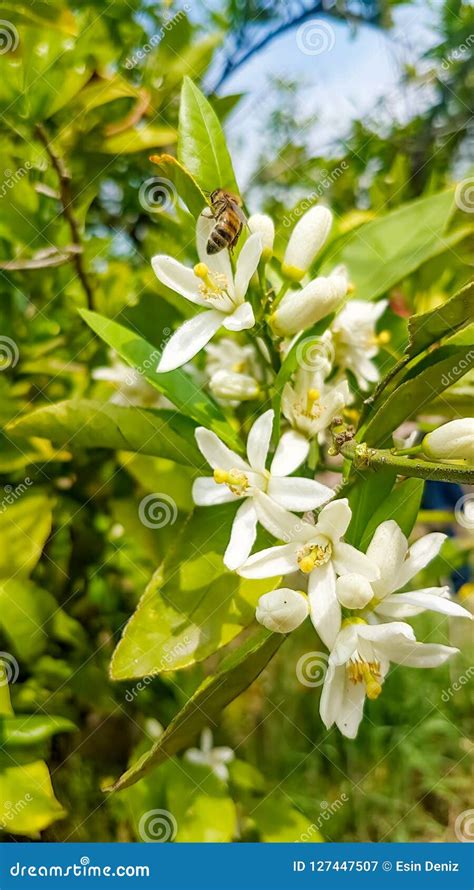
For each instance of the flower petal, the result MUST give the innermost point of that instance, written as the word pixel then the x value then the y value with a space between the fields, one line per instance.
pixel 243 534
pixel 271 562
pixel 349 561
pixel 219 263
pixel 291 451
pixel 419 555
pixel 240 320
pixel 178 278
pixel 332 694
pixel 189 339
pixel 434 599
pixel 298 494
pixel 324 607
pixel 334 519
pixel 352 709
pixel 218 455
pixel 207 493
pixel 280 523
pixel 258 441
pixel 420 655
pixel 247 263
pixel 387 549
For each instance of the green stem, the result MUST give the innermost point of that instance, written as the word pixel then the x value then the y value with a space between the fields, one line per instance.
pixel 365 458
pixel 402 451
pixel 281 293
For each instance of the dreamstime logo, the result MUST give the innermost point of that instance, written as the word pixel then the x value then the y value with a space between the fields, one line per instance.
pixel 464 195
pixel 326 179
pixel 12 177
pixel 311 669
pixel 9 37
pixel 133 374
pixel 9 669
pixel 13 493
pixel 156 39
pixel 459 53
pixel 458 370
pixel 180 648
pixel 157 510
pixel 157 194
pixel 327 811
pixel 315 38
pixel 464 511
pixel 9 353
pixel 315 354
pixel 462 680
pixel 10 810
pixel 464 827
pixel 157 826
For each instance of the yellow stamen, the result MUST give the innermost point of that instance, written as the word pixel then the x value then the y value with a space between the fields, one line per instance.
pixel 212 283
pixel 237 481
pixel 383 338
pixel 220 476
pixel 367 673
pixel 347 621
pixel 313 556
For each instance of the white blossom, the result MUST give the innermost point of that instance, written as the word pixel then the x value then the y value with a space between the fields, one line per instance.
pixel 214 758
pixel 212 286
pixel 263 225
pixel 235 479
pixel 282 610
pixel 355 341
pixel 306 240
pixel 359 662
pixel 228 385
pixel 452 441
pixel 299 309
pixel 317 551
pixel 310 404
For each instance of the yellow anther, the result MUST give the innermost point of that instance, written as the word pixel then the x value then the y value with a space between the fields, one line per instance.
pixel 221 476
pixel 367 673
pixel 239 367
pixel 307 564
pixel 313 394
pixel 351 287
pixel 235 479
pixel 373 688
pixel 383 338
pixel 314 555
pixel 347 621
pixel 212 282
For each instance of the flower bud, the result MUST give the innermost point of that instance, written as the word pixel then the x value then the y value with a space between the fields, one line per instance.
pixel 452 441
pixel 306 239
pixel 263 225
pixel 353 591
pixel 299 310
pixel 230 385
pixel 282 610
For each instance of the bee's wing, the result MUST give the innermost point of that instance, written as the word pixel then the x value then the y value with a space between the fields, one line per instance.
pixel 240 213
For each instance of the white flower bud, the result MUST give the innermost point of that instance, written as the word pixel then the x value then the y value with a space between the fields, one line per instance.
pixel 299 310
pixel 452 441
pixel 230 385
pixel 353 591
pixel 306 240
pixel 264 226
pixel 282 610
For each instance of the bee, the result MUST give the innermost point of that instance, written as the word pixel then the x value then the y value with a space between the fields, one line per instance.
pixel 226 209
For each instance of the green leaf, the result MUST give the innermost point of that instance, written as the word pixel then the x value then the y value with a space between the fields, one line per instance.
pixel 143 139
pixel 402 505
pixel 192 606
pixel 25 731
pixel 30 616
pixel 365 497
pixel 444 366
pixel 279 823
pixel 201 142
pixel 177 385
pixel 382 252
pixel 25 524
pixel 185 184
pixel 236 672
pixel 83 423
pixel 444 320
pixel 28 784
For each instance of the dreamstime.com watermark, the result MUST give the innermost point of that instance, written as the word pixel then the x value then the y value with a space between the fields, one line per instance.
pixel 9 669
pixel 464 511
pixel 326 180
pixel 9 37
pixel 157 827
pixel 9 353
pixel 11 178
pixel 157 510
pixel 463 366
pixel 315 37
pixel 464 195
pixel 133 374
pixel 459 53
pixel 464 827
pixel 10 810
pixel 328 810
pixel 12 493
pixel 458 684
pixel 81 869
pixel 156 39
pixel 157 195
pixel 311 668
pixel 165 662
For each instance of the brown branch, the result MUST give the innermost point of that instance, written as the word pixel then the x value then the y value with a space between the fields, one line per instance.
pixel 65 194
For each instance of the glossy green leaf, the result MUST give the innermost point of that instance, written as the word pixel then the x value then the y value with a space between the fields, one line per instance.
pixel 443 321
pixel 83 423
pixel 25 523
pixel 185 184
pixel 192 606
pixel 365 497
pixel 278 822
pixel 177 385
pixel 402 505
pixel 236 672
pixel 201 143
pixel 382 252
pixel 137 139
pixel 449 363
pixel 28 730
pixel 29 786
